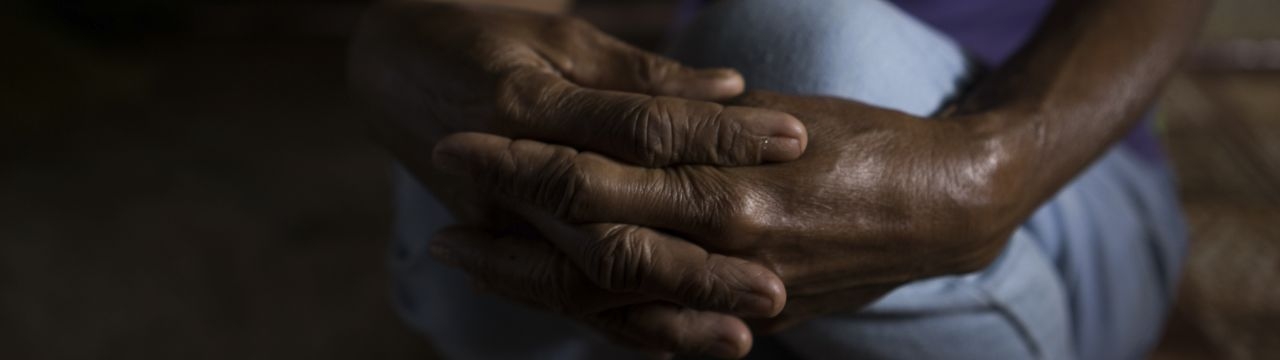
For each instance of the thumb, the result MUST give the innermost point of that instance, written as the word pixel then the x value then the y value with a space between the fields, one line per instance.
pixel 662 76
pixel 603 62
pixel 641 71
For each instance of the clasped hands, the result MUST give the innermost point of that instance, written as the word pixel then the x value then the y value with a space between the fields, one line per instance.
pixel 658 203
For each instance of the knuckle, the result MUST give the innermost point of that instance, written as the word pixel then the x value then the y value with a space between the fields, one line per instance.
pixel 733 143
pixel 742 223
pixel 574 198
pixel 515 100
pixel 716 138
pixel 529 100
pixel 651 129
pixel 704 288
pixel 620 260
pixel 650 70
pixel 508 99
pixel 731 210
pixel 748 218
pixel 559 184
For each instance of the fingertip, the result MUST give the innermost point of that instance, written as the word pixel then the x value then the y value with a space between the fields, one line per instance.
pixel 453 153
pixel 773 289
pixel 784 136
pixel 716 84
pixel 733 339
pixel 764 296
pixel 788 140
pixel 727 82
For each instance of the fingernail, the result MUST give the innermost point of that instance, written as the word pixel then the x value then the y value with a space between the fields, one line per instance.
pixel 777 149
pixel 448 157
pixel 784 136
pixel 726 81
pixel 442 254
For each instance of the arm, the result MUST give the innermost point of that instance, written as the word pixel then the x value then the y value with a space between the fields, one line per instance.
pixel 881 198
pixel 1078 87
pixel 431 69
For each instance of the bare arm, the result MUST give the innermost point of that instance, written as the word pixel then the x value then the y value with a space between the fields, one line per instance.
pixel 1078 87
pixel 881 198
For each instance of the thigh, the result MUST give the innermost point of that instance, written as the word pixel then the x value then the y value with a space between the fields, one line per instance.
pixel 865 50
pixel 1111 240
pixel 1014 309
pixel 870 51
pixel 1117 236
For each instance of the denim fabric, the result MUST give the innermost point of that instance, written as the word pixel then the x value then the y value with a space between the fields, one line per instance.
pixel 1091 272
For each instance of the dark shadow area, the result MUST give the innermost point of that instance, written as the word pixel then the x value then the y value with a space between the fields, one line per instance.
pixel 191 180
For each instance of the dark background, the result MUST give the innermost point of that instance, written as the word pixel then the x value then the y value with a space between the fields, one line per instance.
pixel 184 179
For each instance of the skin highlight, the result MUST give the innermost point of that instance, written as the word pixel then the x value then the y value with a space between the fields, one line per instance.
pixel 868 200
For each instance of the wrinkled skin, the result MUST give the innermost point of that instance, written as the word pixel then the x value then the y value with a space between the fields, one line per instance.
pixel 879 198
pixel 437 69
pixel 612 220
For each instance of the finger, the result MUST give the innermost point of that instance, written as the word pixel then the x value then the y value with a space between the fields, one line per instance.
pixel 641 129
pixel 592 58
pixel 802 308
pixel 851 111
pixel 629 258
pixel 532 274
pixel 612 259
pixel 589 188
pixel 672 328
pixel 627 68
pixel 525 270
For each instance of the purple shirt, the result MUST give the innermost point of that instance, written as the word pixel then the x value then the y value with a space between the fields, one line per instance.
pixel 991 31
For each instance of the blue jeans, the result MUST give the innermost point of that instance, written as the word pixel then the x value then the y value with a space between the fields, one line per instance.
pixel 1090 275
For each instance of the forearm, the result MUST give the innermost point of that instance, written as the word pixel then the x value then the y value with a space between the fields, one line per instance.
pixel 1078 87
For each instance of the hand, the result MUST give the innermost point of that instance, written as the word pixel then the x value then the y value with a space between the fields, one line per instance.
pixel 880 198
pixel 433 69
pixel 632 306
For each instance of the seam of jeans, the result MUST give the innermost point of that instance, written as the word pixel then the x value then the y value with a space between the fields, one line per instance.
pixel 985 289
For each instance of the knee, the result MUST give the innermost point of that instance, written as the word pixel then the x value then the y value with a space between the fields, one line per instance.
pixel 800 18
pixel 779 33
pixel 828 47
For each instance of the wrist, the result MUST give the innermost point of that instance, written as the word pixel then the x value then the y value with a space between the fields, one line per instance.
pixel 1006 148
pixel 1013 140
